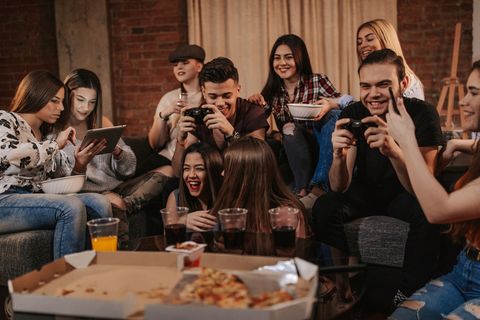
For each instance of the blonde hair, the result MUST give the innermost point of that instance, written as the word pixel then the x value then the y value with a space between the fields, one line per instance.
pixel 387 35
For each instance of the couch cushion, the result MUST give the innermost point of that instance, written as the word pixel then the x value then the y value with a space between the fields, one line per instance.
pixel 378 240
pixel 24 251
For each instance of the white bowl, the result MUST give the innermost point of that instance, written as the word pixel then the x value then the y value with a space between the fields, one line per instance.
pixel 303 111
pixel 69 184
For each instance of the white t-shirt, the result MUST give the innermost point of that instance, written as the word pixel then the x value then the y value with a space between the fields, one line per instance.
pixel 168 99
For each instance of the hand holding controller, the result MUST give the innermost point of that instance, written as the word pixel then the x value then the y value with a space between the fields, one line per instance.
pixel 357 127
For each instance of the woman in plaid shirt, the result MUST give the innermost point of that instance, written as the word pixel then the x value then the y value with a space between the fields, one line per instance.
pixel 291 80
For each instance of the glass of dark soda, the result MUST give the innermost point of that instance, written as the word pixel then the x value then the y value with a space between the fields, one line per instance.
pixel 233 222
pixel 175 225
pixel 284 221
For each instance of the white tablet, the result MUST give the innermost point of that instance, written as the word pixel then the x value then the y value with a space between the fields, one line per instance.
pixel 111 134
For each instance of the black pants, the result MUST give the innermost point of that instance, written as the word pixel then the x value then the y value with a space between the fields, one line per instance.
pixel 332 210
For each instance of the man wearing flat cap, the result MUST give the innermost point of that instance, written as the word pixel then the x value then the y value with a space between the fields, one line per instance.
pixel 187 63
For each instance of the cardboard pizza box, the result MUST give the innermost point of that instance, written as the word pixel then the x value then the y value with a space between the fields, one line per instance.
pixel 113 285
pixel 257 281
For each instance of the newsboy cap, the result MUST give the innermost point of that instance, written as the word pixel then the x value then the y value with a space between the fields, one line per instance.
pixel 190 51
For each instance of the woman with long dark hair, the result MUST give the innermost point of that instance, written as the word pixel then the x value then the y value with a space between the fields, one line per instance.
pixel 455 295
pixel 291 80
pixel 28 157
pixel 200 183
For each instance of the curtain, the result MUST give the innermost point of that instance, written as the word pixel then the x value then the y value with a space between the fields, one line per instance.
pixel 245 30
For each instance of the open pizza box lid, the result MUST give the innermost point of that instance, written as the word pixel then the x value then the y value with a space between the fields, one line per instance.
pixel 43 291
pixel 253 272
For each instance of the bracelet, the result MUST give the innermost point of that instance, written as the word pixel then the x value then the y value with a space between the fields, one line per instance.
pixel 162 117
pixel 234 137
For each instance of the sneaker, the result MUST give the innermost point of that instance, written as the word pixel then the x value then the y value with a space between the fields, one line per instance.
pixel 309 200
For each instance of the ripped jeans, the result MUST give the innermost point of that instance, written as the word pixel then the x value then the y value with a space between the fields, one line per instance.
pixel 453 296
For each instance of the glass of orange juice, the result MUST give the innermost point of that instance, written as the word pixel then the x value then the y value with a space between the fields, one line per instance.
pixel 103 233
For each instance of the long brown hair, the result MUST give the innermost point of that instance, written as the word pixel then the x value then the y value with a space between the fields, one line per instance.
pixel 469 230
pixel 302 62
pixel 34 92
pixel 252 181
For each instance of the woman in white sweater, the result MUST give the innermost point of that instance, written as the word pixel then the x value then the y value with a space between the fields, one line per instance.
pixel 106 173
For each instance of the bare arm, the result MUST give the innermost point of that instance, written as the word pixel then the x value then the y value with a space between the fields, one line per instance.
pixel 437 204
pixel 159 133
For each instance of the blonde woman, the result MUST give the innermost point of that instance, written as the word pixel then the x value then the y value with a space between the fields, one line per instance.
pixel 380 34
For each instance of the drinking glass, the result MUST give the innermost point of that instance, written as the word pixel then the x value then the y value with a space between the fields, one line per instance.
pixel 103 233
pixel 183 100
pixel 174 223
pixel 284 221
pixel 233 222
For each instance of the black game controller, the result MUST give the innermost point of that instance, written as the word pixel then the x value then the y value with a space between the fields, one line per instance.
pixel 198 114
pixel 357 127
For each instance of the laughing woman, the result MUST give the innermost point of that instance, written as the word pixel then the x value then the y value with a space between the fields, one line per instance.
pixel 27 158
pixel 457 294
pixel 201 180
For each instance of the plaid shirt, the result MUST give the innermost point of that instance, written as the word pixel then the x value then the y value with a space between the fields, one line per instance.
pixel 309 89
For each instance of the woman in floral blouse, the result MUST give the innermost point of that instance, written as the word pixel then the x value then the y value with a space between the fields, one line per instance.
pixel 27 158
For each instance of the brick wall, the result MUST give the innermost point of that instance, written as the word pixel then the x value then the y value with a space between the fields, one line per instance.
pixel 143 33
pixel 27 42
pixel 426 31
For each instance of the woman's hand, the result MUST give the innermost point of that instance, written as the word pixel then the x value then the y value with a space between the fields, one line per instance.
pixel 257 98
pixel 201 221
pixel 400 125
pixel 326 105
pixel 66 135
pixel 117 152
pixel 84 156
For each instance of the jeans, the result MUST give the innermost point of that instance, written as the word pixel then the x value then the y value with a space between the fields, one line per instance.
pixel 455 295
pixel 300 158
pixel 322 131
pixel 66 215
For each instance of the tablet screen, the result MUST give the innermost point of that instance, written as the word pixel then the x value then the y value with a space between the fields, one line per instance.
pixel 111 134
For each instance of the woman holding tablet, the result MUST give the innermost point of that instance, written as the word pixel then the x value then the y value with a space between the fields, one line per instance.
pixel 28 157
pixel 106 172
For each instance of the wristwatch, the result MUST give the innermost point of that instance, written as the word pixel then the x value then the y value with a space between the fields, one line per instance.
pixel 162 117
pixel 234 137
